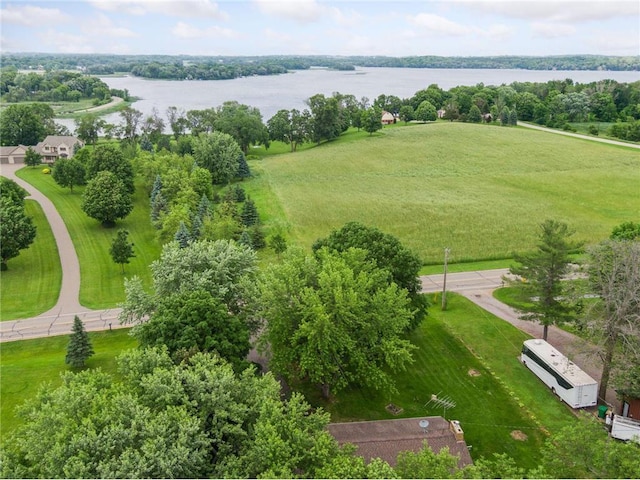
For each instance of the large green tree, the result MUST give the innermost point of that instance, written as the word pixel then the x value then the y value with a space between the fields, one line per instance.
pixel 25 124
pixel 614 319
pixel 194 419
pixel 69 172
pixel 219 153
pixel 110 158
pixel 371 120
pixel 290 126
pixel 334 319
pixel 106 199
pixel 32 158
pixel 221 268
pixel 328 118
pixel 243 123
pixel 196 320
pixel 88 128
pixel 388 253
pixel 17 231
pixel 541 273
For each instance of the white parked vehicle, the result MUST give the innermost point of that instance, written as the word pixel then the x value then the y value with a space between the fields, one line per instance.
pixel 561 375
pixel 625 428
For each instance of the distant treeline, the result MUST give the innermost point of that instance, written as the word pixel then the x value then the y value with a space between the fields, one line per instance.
pixel 54 86
pixel 182 67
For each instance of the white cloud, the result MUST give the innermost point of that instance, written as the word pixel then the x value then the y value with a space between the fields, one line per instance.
pixel 552 30
pixel 437 24
pixel 102 26
pixel 557 10
pixel 30 16
pixel 302 11
pixel 499 32
pixel 278 36
pixel 184 30
pixel 62 42
pixel 171 8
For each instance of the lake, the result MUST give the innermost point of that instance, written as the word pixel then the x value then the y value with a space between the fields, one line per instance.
pixel 272 93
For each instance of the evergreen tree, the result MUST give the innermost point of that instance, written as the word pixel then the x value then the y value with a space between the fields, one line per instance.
pixel 196 226
pixel 183 236
pixel 79 349
pixel 121 250
pixel 245 239
pixel 158 206
pixel 157 187
pixel 249 215
pixel 145 144
pixel 243 167
pixel 257 237
pixel 204 208
pixel 241 195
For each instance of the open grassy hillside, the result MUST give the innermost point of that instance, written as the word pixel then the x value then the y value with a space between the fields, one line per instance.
pixel 480 190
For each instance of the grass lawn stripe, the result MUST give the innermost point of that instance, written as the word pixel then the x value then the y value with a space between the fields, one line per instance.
pixel 480 190
pixel 26 364
pixel 102 283
pixel 32 283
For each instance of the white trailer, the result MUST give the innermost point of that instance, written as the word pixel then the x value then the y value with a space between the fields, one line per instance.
pixel 625 428
pixel 561 375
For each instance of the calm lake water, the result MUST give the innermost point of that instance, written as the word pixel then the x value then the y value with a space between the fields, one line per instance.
pixel 272 93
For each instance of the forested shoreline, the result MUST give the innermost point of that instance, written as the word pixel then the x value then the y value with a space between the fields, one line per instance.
pixel 187 67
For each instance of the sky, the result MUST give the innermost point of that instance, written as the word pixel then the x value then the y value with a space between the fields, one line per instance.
pixel 317 27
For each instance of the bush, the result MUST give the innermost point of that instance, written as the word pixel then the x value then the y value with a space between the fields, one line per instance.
pixel 46 171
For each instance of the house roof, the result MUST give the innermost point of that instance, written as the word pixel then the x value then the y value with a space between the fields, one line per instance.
pixel 56 140
pixel 9 150
pixel 385 439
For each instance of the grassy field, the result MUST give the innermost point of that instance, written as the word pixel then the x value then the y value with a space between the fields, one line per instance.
pixel 36 271
pixel 471 357
pixel 102 283
pixel 479 190
pixel 25 365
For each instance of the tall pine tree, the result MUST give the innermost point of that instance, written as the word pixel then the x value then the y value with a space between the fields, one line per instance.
pixel 243 167
pixel 249 215
pixel 79 349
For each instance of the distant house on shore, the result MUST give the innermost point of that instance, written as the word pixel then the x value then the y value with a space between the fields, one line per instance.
pixel 57 146
pixel 385 439
pixel 11 155
pixel 388 118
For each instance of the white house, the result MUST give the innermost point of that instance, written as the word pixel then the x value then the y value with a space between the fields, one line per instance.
pixel 57 146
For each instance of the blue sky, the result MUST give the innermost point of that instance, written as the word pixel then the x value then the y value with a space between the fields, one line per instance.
pixel 317 27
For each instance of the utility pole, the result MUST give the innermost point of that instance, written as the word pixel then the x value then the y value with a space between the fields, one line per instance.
pixel 444 282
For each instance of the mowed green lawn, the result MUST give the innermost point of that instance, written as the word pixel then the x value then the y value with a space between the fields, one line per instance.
pixel 471 358
pixel 102 282
pixel 25 365
pixel 480 190
pixel 31 285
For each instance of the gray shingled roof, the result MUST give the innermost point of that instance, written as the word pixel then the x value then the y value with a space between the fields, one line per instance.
pixel 386 438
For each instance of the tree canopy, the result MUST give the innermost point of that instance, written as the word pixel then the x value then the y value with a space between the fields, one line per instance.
pixel 106 199
pixel 388 253
pixel 219 153
pixel 335 320
pixel 17 231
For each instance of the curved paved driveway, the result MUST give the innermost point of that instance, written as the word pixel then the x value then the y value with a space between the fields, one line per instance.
pixel 59 319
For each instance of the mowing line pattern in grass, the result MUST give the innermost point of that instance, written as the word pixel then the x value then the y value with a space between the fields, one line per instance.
pixel 102 283
pixel 479 190
pixel 472 359
pixel 25 365
pixel 32 283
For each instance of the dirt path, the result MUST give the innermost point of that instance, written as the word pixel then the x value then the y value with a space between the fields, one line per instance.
pixel 114 101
